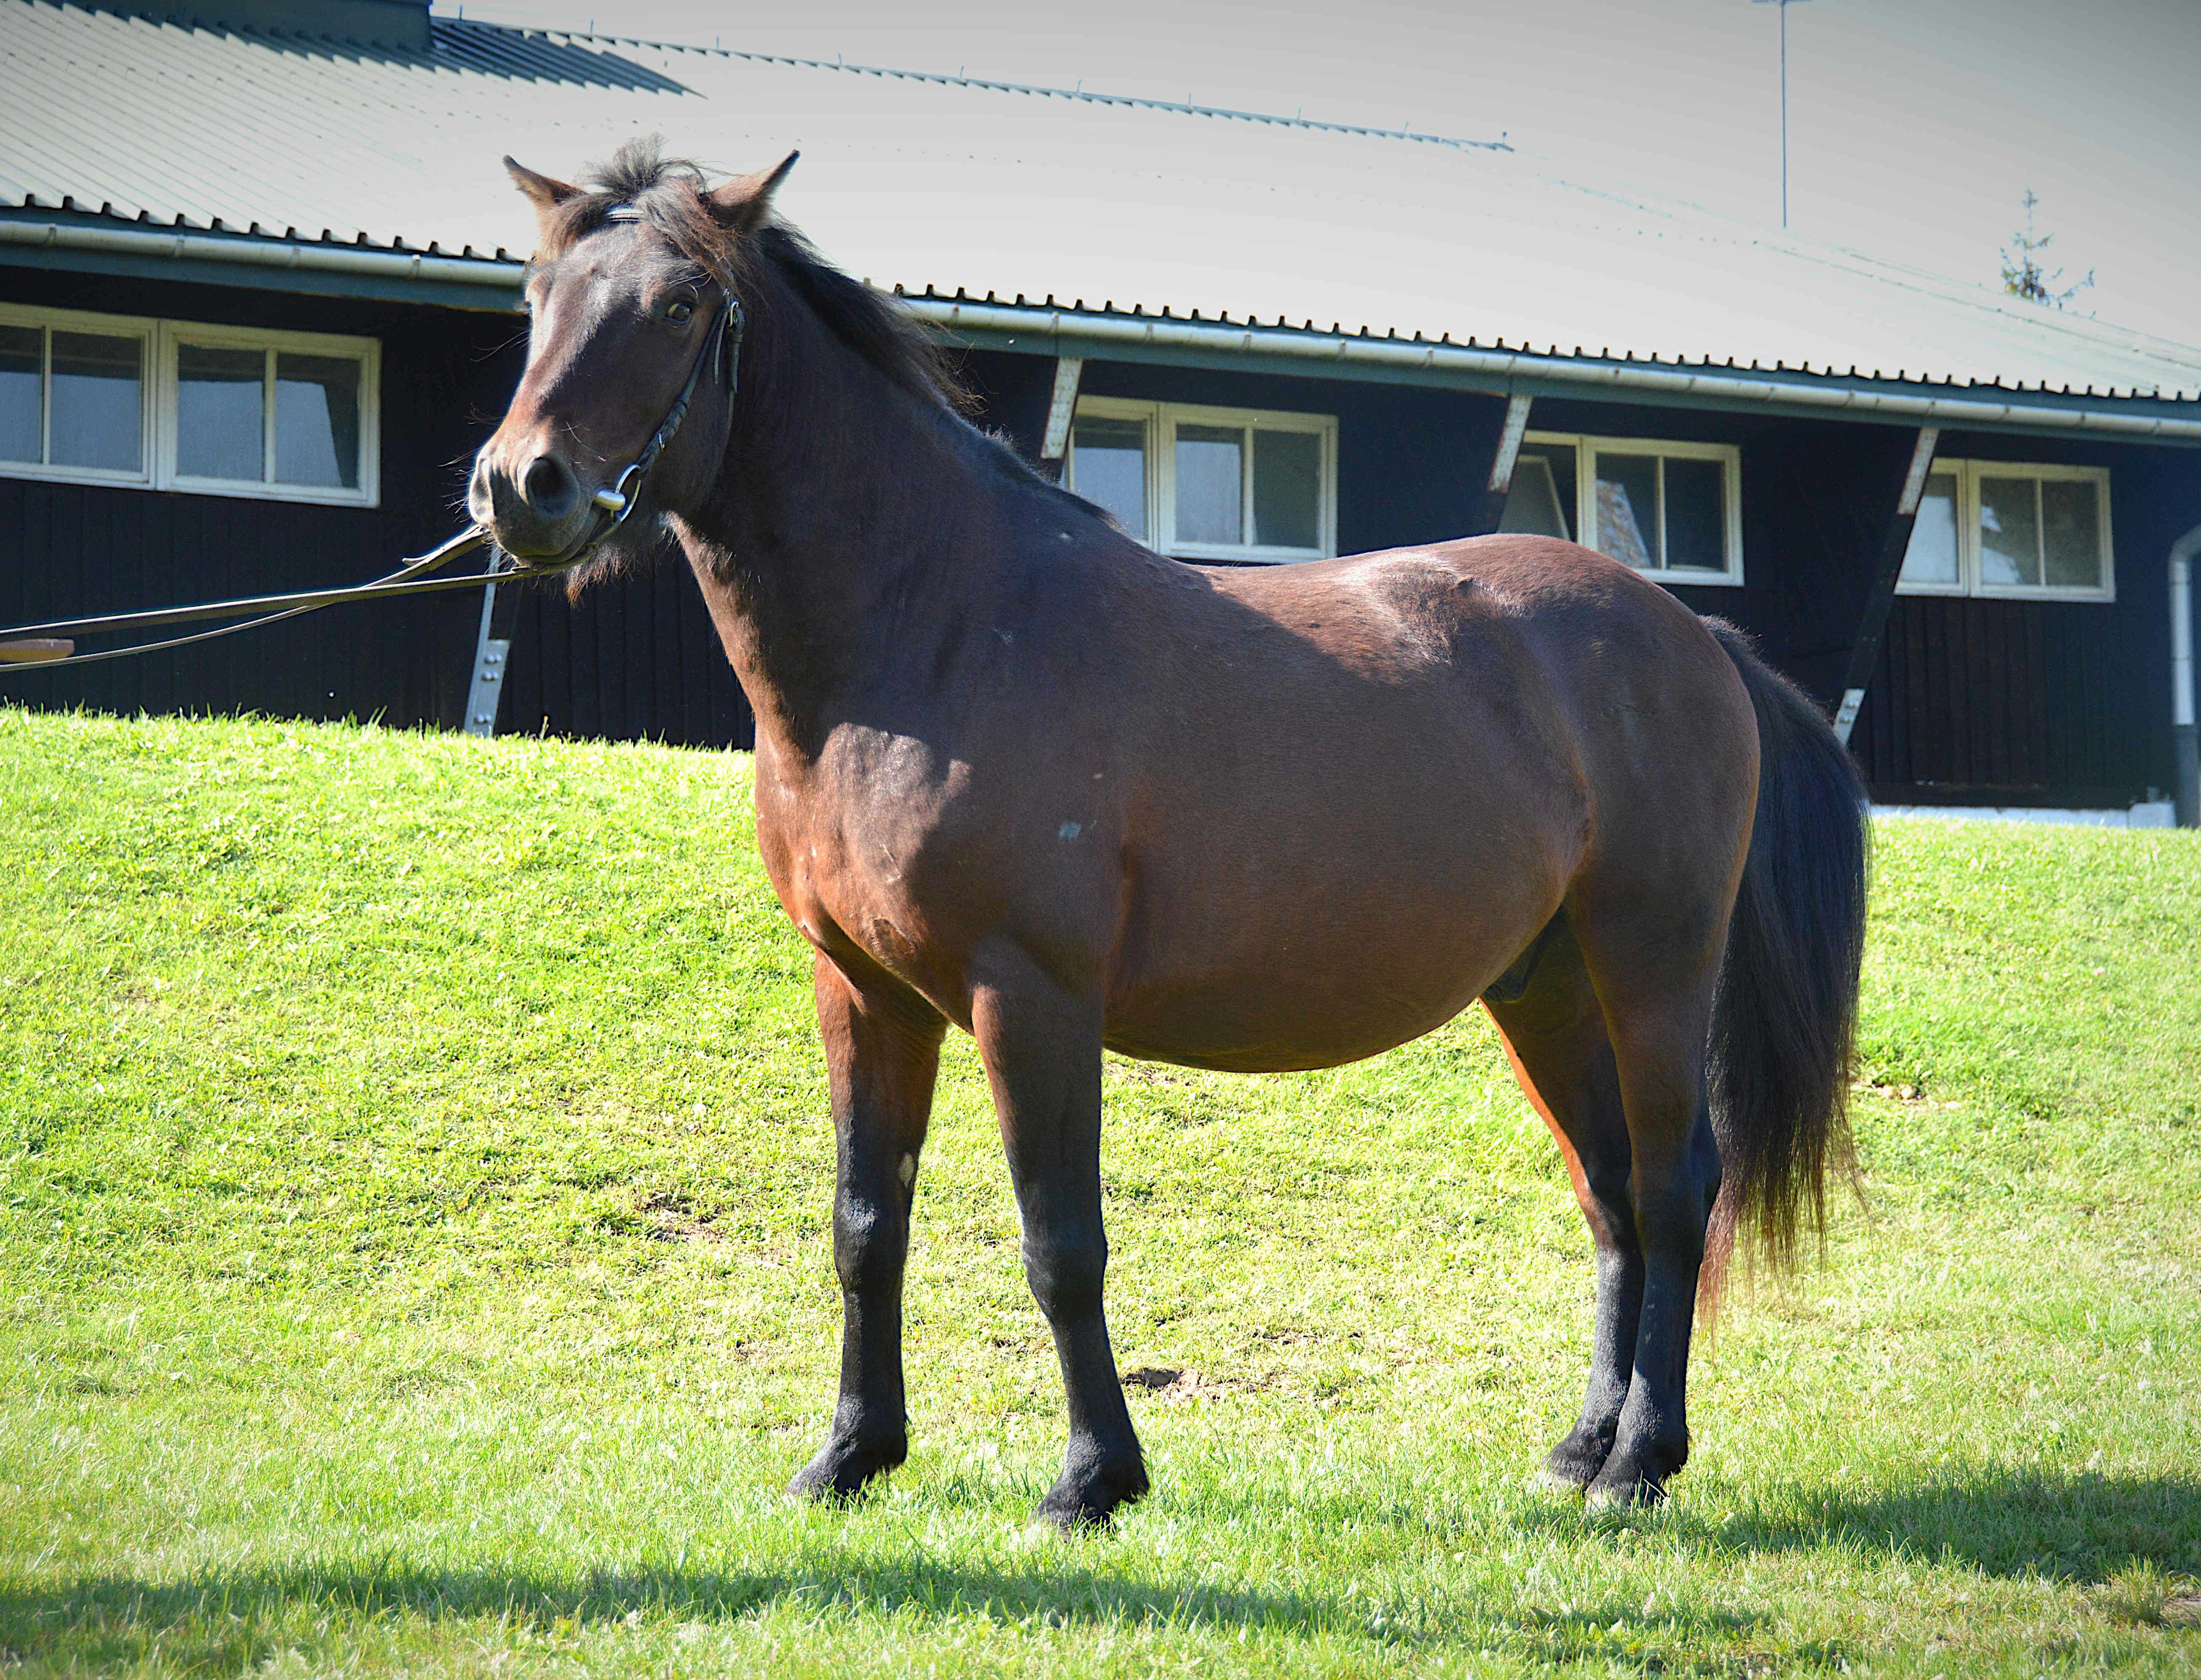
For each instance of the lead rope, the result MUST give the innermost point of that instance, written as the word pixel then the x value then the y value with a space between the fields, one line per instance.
pixel 42 647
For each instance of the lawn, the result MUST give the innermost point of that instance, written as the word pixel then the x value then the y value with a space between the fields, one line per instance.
pixel 414 1256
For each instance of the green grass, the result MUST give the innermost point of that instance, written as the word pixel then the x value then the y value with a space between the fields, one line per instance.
pixel 413 1256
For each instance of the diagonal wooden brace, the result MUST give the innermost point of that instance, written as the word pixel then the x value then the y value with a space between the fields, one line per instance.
pixel 1894 544
pixel 1491 509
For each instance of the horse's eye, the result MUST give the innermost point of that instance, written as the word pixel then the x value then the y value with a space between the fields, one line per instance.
pixel 679 313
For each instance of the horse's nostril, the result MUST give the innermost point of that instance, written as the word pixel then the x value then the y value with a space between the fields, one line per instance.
pixel 547 486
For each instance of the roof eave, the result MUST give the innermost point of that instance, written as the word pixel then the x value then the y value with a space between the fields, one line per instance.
pixel 1050 330
pixel 97 245
pixel 93 244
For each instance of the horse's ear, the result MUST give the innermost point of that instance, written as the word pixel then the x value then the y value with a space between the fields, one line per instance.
pixel 745 200
pixel 543 192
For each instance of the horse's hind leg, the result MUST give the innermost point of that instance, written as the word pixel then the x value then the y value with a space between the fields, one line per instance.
pixel 1652 953
pixel 1554 1032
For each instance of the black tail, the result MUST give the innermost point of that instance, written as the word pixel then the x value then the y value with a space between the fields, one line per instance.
pixel 1784 1016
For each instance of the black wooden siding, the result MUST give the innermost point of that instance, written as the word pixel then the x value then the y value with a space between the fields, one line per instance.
pixel 2064 703
pixel 2011 696
pixel 70 550
pixel 2009 701
pixel 80 550
pixel 637 658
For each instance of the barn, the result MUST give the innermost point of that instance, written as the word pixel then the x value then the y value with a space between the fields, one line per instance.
pixel 258 306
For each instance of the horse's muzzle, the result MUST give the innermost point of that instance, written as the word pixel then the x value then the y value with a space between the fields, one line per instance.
pixel 539 514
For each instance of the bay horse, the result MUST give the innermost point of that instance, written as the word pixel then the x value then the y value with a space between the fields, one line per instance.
pixel 1018 773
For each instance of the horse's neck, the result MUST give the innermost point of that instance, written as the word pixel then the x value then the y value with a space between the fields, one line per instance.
pixel 856 525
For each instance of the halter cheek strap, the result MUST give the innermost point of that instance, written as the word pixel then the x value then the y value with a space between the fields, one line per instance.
pixel 614 504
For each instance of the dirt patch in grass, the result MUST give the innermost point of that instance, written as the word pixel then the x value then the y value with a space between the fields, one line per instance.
pixel 1174 1387
pixel 673 1219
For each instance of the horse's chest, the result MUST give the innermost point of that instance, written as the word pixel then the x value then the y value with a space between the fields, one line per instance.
pixel 844 873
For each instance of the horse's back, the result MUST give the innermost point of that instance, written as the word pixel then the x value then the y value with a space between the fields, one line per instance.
pixel 1571 659
pixel 1566 666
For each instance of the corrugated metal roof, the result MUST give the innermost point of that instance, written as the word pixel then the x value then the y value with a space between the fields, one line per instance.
pixel 945 186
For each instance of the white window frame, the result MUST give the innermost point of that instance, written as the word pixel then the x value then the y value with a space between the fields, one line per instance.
pixel 1585 446
pixel 157 406
pixel 1969 581
pixel 51 321
pixel 1161 420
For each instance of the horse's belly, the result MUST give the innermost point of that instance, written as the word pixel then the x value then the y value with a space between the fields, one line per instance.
pixel 1289 982
pixel 1279 1031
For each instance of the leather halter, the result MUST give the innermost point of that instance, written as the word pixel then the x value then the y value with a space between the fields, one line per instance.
pixel 610 507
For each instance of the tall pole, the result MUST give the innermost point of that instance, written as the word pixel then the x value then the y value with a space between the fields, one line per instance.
pixel 1784 6
pixel 1784 113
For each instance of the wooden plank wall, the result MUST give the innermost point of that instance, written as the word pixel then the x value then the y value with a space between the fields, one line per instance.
pixel 2054 703
pixel 2021 699
pixel 636 659
pixel 71 550
pixel 2061 703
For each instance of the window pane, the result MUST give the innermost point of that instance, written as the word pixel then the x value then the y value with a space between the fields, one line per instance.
pixel 219 412
pixel 1628 508
pixel 1931 556
pixel 1210 483
pixel 98 414
pixel 1696 514
pixel 1533 505
pixel 317 420
pixel 2010 532
pixel 21 348
pixel 2071 529
pixel 1287 489
pixel 1108 468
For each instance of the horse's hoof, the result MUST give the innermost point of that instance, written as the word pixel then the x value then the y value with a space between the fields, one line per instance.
pixel 1622 1493
pixel 1043 1531
pixel 1576 1463
pixel 1087 1503
pixel 842 1471
pixel 1057 1522
pixel 1548 1480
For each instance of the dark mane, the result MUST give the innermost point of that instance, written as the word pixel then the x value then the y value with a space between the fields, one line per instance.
pixel 670 192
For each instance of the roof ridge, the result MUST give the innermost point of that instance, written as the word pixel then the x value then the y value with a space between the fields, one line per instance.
pixel 1080 92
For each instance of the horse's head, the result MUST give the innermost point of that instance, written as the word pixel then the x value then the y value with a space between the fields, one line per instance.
pixel 632 342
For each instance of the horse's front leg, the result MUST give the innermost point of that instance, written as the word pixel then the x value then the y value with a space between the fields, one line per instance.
pixel 882 1055
pixel 1041 1043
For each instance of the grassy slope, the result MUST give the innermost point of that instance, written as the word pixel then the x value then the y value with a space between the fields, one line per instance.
pixel 413 1222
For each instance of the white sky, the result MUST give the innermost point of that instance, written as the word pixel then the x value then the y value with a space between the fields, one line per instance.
pixel 1914 126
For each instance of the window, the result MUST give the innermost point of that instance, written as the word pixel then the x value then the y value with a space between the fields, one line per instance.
pixel 174 406
pixel 1999 528
pixel 72 397
pixel 1671 510
pixel 1210 483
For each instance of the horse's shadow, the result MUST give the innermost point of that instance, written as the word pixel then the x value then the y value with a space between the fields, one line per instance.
pixel 2078 1526
pixel 1055 1587
pixel 2074 1526
pixel 232 1621
pixel 2081 1528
